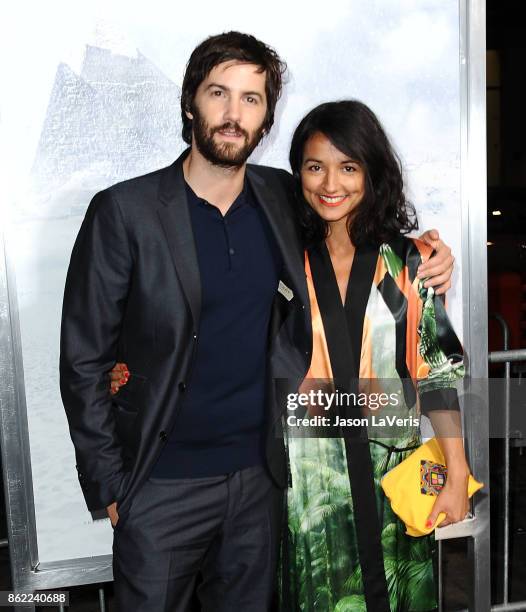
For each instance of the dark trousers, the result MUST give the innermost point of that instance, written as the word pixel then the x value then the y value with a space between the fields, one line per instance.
pixel 223 530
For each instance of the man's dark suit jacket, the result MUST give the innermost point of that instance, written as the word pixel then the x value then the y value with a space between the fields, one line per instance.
pixel 133 295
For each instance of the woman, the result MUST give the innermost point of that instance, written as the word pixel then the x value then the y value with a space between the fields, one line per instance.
pixel 344 548
pixel 373 320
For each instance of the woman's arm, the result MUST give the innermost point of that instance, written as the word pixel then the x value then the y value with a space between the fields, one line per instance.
pixel 442 356
pixel 453 499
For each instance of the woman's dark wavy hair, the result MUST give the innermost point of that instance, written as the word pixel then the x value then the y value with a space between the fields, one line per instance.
pixel 224 48
pixel 354 129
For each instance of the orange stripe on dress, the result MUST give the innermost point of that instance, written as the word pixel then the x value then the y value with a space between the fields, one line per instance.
pixel 424 249
pixel 417 367
pixel 412 339
pixel 403 281
pixel 320 366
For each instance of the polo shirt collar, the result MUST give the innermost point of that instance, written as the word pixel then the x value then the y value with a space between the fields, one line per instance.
pixel 242 199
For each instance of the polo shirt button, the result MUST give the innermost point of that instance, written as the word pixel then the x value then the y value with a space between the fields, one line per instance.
pixel 231 251
pixel 182 387
pixel 195 336
pixel 162 436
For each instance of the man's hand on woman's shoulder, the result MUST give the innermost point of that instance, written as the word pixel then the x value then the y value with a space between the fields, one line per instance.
pixel 439 268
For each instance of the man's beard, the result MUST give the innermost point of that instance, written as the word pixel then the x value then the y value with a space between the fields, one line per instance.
pixel 226 154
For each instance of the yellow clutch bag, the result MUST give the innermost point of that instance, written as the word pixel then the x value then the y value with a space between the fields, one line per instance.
pixel 412 487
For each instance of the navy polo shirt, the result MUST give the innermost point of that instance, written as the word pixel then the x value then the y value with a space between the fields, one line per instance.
pixel 220 426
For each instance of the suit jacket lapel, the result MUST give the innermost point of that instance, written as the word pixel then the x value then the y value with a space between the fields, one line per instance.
pixel 177 226
pixel 283 229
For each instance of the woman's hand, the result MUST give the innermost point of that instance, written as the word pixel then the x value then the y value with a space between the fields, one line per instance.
pixel 118 377
pixel 438 268
pixel 453 500
pixel 113 514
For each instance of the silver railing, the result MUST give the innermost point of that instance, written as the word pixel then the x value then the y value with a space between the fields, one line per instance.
pixel 507 357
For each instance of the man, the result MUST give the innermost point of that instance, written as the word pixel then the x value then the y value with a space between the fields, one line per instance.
pixel 193 276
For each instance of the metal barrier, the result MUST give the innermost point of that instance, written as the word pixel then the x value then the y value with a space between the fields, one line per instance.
pixel 507 357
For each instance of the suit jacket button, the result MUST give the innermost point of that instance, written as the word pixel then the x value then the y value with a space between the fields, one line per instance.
pixel 163 436
pixel 182 387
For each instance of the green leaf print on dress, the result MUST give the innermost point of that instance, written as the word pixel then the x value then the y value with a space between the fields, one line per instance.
pixel 393 263
pixel 324 568
pixel 443 371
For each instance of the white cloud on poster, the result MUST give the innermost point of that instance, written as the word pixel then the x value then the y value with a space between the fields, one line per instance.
pixel 109 35
pixel 431 34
